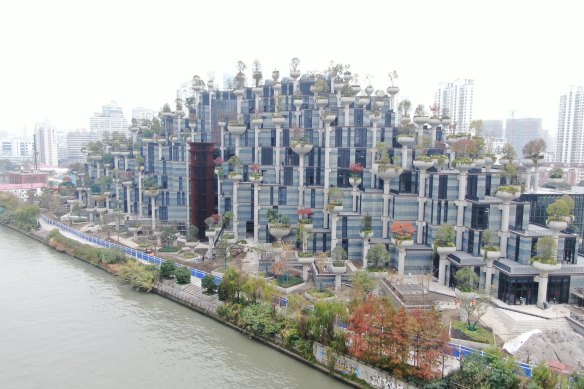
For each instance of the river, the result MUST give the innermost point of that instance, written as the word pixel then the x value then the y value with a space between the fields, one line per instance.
pixel 67 324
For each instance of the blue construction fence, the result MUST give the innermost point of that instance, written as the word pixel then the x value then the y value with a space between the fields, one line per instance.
pixel 126 250
pixel 460 351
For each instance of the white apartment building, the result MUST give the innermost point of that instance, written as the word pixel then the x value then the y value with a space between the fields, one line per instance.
pixel 457 98
pixel 142 113
pixel 16 149
pixel 111 118
pixel 46 144
pixel 570 135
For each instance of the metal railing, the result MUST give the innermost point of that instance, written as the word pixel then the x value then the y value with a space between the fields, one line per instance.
pixel 126 250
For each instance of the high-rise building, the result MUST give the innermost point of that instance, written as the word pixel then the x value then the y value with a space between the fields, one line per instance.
pixel 570 136
pixel 76 140
pixel 457 98
pixel 142 113
pixel 520 131
pixel 46 144
pixel 493 128
pixel 16 149
pixel 111 118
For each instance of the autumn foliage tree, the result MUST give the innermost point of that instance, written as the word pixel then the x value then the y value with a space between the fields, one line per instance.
pixel 389 339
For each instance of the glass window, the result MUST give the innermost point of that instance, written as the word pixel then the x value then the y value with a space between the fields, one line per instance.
pixel 442 187
pixel 360 137
pixel 339 137
pixel 282 195
pixel 361 156
pixel 480 217
pixel 288 175
pixel 267 156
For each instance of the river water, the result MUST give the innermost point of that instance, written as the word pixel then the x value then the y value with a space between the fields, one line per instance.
pixel 66 324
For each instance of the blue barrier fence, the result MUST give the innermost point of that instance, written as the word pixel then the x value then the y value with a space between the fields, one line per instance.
pixel 126 250
pixel 460 351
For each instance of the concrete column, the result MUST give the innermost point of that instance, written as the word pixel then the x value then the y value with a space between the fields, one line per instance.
pixel 365 251
pixel 461 203
pixel 373 151
pixel 327 153
pixel 235 221
pixel 504 231
pixel 257 144
pixel 237 144
pixel 98 169
pixel 401 262
pixel 404 157
pixel 488 276
pixel 153 213
pixel 536 178
pixel 300 180
pixel 337 282
pixel 277 163
pixel 385 215
pixel 442 270
pixel 140 193
pixel 542 279
pixel 333 230
pixel 256 212
pixel 128 203
pixel 421 202
pixel 354 195
pixel 305 272
pixel 218 194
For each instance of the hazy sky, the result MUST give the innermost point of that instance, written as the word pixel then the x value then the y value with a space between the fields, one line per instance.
pixel 62 60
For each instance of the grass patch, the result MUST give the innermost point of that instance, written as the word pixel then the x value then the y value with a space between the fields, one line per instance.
pixel 481 334
pixel 189 255
pixel 320 294
pixel 288 281
pixel 378 269
pixel 169 249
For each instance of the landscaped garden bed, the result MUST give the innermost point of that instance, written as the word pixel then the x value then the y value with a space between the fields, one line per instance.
pixel 460 330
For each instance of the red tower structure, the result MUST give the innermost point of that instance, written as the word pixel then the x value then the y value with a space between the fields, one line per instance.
pixel 202 182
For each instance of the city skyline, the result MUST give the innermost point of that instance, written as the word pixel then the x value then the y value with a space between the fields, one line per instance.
pixel 508 63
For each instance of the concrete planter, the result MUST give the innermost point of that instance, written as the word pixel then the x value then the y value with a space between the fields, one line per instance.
pixel 279 232
pixel 465 295
pixel 151 192
pixel 402 243
pixel 445 250
pixel 310 297
pixel 366 234
pixel 210 233
pixel 347 100
pixel 506 196
pixel 387 172
pixel 546 267
pixel 338 269
pixel 278 121
pixel 256 122
pixel 336 209
pixel 301 148
pixel 555 180
pixel 557 225
pixel 392 90
pixel 291 289
pixel 423 165
pixel 406 140
pixel 421 119
pixel 377 275
pixel 305 260
pixel 354 181
pixel 255 179
pixel 307 226
pixel 236 129
pixel 492 255
pixel 235 177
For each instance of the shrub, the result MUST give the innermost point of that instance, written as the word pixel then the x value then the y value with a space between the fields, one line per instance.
pixel 467 280
pixel 260 320
pixel 402 230
pixel 208 282
pixel 111 256
pixel 480 334
pixel 445 236
pixel 182 275
pixel 167 269
pixel 139 276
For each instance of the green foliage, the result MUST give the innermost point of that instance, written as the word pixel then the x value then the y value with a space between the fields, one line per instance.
pixel 445 236
pixel 287 281
pixel 167 236
pixel 260 320
pixel 169 249
pixel 208 282
pixel 378 255
pixel 556 172
pixel 489 371
pixel 508 188
pixel 544 377
pixel 509 152
pixel 26 215
pixel 230 311
pixel 467 280
pixel 182 275
pixel 139 276
pixel 479 334
pixel 546 250
pixel 167 269
pixel 321 323
pixel 339 254
pixel 112 256
pixel 230 286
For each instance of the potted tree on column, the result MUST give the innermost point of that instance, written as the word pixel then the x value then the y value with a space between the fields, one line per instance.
pixel 444 243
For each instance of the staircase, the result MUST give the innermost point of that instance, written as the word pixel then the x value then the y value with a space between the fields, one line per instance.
pixel 518 323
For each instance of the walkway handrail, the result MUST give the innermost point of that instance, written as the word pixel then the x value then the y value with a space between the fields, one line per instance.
pixel 126 250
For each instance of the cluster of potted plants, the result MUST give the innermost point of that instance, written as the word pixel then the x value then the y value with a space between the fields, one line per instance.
pixel 384 166
pixel 304 218
pixel 150 187
pixel 213 224
pixel 255 175
pixel 556 175
pixel 278 225
pixel 491 247
pixel 559 213
pixel 335 200
pixel 235 168
pixel 356 174
pixel 402 233
pixel 444 240
pixel 299 144
pixel 546 258
pixel 366 227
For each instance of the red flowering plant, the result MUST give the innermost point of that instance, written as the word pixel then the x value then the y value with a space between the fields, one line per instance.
pixel 402 231
pixel 255 170
pixel 218 161
pixel 304 215
pixel 356 170
pixel 213 221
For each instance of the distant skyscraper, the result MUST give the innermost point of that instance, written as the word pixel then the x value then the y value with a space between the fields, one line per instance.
pixel 570 137
pixel 76 140
pixel 46 144
pixel 493 128
pixel 457 98
pixel 62 146
pixel 520 131
pixel 111 119
pixel 142 113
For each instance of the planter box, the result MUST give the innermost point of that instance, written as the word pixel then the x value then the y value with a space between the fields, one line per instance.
pixel 310 297
pixel 236 129
pixel 278 121
pixel 338 269
pixel 492 255
pixel 402 243
pixel 279 232
pixel 366 235
pixel 305 260
pixel 445 250
pixel 506 196
pixel 302 148
pixel 423 165
pixel 406 140
pixel 256 180
pixel 545 267
pixel 336 209
pixel 465 295
pixel 354 181
pixel 235 177
pixel 151 192
pixel 290 289
pixel 377 275
pixel 557 225
pixel 387 173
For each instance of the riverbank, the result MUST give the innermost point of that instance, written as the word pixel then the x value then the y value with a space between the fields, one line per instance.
pixel 172 294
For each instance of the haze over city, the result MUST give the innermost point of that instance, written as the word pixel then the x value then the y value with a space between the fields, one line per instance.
pixel 63 60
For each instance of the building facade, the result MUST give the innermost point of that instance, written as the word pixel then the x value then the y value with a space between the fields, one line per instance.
pixel 457 98
pixel 570 134
pixel 111 119
pixel 520 131
pixel 46 144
